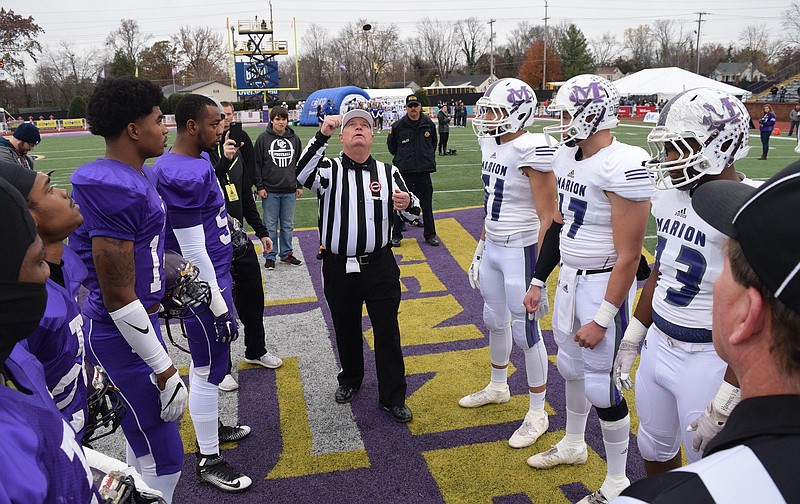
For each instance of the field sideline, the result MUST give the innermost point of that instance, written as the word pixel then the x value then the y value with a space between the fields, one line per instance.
pixel 457 180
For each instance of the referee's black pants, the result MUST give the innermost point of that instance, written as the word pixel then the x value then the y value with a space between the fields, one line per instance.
pixel 378 285
pixel 249 300
pixel 421 185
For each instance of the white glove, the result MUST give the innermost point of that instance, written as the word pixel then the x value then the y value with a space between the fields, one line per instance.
pixel 628 348
pixel 105 464
pixel 473 272
pixel 543 308
pixel 173 398
pixel 713 419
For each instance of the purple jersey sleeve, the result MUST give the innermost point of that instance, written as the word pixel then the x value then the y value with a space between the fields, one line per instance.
pixel 118 201
pixel 40 460
pixel 192 195
pixel 58 344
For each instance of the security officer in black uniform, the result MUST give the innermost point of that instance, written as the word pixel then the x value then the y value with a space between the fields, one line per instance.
pixel 412 141
pixel 237 187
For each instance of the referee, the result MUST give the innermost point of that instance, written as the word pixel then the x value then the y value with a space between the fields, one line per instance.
pixel 756 330
pixel 357 196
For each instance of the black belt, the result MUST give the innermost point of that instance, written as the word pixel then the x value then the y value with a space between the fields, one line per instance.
pixel 594 271
pixel 362 259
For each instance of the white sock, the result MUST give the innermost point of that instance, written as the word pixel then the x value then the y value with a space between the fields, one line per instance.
pixel 203 408
pixel 165 483
pixel 616 436
pixel 130 458
pixel 536 400
pixel 577 412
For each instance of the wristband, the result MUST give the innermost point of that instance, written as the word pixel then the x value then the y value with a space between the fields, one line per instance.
pixel 727 397
pixel 535 282
pixel 218 306
pixel 605 314
pixel 635 332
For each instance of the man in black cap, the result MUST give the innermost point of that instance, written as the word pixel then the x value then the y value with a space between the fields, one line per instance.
pixel 756 330
pixel 16 148
pixel 412 141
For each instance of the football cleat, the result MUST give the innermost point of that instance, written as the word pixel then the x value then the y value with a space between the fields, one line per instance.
pixel 218 473
pixel 558 456
pixel 534 425
pixel 488 395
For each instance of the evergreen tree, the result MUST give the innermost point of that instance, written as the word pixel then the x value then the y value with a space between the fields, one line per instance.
pixel 77 107
pixel 574 51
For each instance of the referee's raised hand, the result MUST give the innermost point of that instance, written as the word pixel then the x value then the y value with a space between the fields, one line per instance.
pixel 330 124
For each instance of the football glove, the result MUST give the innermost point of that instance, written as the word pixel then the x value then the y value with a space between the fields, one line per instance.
pixel 173 398
pixel 713 419
pixel 227 328
pixel 473 273
pixel 626 355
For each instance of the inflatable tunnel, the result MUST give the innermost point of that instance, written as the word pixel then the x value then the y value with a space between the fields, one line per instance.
pixel 338 96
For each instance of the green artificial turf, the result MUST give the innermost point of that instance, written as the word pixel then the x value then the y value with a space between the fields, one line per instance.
pixel 457 181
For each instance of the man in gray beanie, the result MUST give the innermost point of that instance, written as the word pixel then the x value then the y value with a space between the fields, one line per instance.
pixel 16 148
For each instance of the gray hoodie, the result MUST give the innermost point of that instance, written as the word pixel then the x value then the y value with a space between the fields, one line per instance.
pixel 276 160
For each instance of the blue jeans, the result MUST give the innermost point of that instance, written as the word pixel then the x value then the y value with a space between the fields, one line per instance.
pixel 279 207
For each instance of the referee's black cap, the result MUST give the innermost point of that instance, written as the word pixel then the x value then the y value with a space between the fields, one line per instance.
pixel 764 222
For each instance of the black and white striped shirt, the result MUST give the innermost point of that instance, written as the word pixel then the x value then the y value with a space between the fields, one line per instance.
pixel 752 460
pixel 355 200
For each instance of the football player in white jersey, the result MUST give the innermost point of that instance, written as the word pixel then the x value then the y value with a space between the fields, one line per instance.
pixel 519 204
pixel 699 135
pixel 603 198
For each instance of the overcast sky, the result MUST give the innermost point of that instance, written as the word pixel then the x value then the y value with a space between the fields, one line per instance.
pixel 81 22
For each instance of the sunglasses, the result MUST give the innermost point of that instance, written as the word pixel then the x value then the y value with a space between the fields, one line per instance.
pixel 413 105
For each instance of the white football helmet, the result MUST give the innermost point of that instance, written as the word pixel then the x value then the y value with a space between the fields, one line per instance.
pixel 512 104
pixel 592 103
pixel 718 123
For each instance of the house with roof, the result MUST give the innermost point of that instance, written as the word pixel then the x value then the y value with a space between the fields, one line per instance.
pixel 736 72
pixel 462 83
pixel 610 73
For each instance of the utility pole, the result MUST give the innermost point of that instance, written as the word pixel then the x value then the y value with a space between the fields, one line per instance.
pixel 491 47
pixel 544 45
pixel 699 22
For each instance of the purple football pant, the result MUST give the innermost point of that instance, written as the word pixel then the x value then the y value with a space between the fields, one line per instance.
pixel 145 431
pixel 202 335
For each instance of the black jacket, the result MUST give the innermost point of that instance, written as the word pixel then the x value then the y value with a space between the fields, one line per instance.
pixel 233 171
pixel 413 145
pixel 276 160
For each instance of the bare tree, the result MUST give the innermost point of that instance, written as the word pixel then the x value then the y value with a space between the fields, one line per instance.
pixel 606 49
pixel 757 47
pixel 316 66
pixel 438 43
pixel 202 52
pixel 63 73
pixel 639 43
pixel 673 43
pixel 791 23
pixel 128 39
pixel 473 38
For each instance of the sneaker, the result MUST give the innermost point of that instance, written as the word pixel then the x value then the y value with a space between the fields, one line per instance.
pixel 557 456
pixel 269 264
pixel 485 396
pixel 267 360
pixel 605 496
pixel 218 473
pixel 232 433
pixel 534 425
pixel 290 259
pixel 228 384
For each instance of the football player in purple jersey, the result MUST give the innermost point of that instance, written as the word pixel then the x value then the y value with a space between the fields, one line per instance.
pixel 197 228
pixel 40 460
pixel 58 341
pixel 121 242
